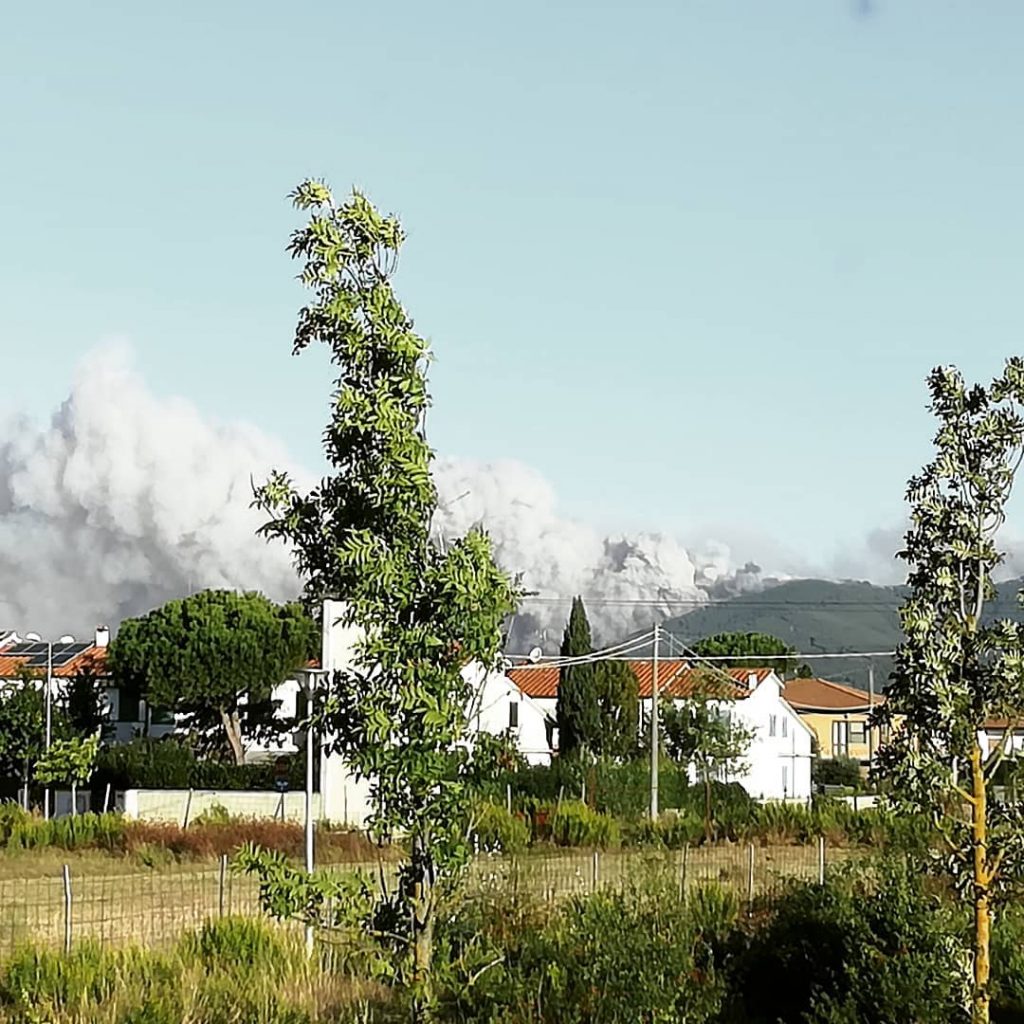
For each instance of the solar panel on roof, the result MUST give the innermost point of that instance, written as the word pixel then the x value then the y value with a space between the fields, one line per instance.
pixel 68 654
pixel 25 649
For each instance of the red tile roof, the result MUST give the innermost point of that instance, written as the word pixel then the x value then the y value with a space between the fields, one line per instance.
pixel 93 659
pixel 824 695
pixel 676 678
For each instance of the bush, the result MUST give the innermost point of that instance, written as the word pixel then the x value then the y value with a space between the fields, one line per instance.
pixel 1008 967
pixel 169 764
pixel 497 831
pixel 575 824
pixel 82 832
pixel 867 947
pixel 602 959
pixel 836 771
pixel 673 830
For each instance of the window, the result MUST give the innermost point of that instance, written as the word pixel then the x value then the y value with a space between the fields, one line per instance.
pixel 785 727
pixel 772 724
pixel 785 780
pixel 513 714
pixel 840 739
pixel 858 732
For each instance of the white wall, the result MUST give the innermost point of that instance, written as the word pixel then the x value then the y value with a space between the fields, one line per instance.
pixel 779 764
pixel 346 799
pixel 494 695
pixel 778 767
pixel 175 804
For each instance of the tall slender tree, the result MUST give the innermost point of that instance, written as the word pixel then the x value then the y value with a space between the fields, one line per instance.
pixel 578 710
pixel 399 713
pixel 598 707
pixel 956 668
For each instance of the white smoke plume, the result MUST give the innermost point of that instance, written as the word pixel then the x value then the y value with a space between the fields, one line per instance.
pixel 124 500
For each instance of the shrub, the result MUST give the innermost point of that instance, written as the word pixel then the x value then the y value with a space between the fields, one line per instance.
pixel 241 944
pixel 837 771
pixel 575 824
pixel 1008 967
pixel 497 831
pixel 673 829
pixel 866 947
pixel 170 764
pixel 602 959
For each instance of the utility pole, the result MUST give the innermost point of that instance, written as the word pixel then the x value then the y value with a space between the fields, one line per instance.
pixel 871 708
pixel 654 724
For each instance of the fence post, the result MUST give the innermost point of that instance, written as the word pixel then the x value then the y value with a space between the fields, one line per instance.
pixel 67 909
pixel 106 799
pixel 821 860
pixel 508 797
pixel 682 872
pixel 595 871
pixel 750 874
pixel 220 883
pixel 188 809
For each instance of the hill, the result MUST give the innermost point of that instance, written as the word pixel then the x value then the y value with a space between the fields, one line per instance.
pixel 818 616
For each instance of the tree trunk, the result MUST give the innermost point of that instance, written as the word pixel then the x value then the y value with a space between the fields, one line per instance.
pixel 233 731
pixel 422 929
pixel 982 882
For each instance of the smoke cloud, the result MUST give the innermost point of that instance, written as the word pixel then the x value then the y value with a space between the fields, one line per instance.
pixel 124 500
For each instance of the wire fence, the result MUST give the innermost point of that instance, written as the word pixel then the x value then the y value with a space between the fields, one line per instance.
pixel 155 907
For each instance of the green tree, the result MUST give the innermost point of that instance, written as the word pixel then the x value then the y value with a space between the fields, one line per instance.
pixel 214 658
pixel 702 733
pixel 744 646
pixel 619 708
pixel 598 706
pixel 22 725
pixel 70 761
pixel 83 703
pixel 578 711
pixel 424 610
pixel 956 668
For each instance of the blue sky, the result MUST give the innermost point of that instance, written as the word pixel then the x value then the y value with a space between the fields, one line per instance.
pixel 690 260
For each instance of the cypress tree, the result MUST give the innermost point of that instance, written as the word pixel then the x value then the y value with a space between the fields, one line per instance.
pixel 598 709
pixel 578 711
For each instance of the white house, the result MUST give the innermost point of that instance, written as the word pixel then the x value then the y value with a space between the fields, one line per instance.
pixel 498 706
pixel 779 758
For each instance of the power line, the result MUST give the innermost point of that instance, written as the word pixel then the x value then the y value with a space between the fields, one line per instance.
pixel 797 656
pixel 654 602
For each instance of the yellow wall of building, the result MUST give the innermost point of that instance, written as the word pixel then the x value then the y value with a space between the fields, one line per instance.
pixel 820 723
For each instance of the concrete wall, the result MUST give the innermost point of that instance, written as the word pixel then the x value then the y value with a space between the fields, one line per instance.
pixel 174 804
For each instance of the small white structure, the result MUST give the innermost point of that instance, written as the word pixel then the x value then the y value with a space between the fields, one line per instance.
pixel 778 761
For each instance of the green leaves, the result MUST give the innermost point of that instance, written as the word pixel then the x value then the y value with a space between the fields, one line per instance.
pixel 68 761
pixel 957 669
pixel 212 656
pixel 398 713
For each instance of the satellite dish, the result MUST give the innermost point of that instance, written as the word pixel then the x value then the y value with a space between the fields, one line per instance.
pixel 67 638
pixel 536 654
pixel 34 637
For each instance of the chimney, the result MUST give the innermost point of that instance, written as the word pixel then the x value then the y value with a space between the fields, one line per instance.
pixel 751 680
pixel 102 636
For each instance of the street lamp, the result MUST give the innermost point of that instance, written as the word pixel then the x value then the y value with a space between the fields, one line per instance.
pixel 310 676
pixel 48 699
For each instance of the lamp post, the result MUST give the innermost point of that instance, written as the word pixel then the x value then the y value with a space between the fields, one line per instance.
pixel 310 675
pixel 48 701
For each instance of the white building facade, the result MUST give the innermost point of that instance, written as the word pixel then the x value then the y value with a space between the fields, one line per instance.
pixel 778 761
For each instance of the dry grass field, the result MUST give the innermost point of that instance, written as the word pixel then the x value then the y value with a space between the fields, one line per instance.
pixel 115 900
